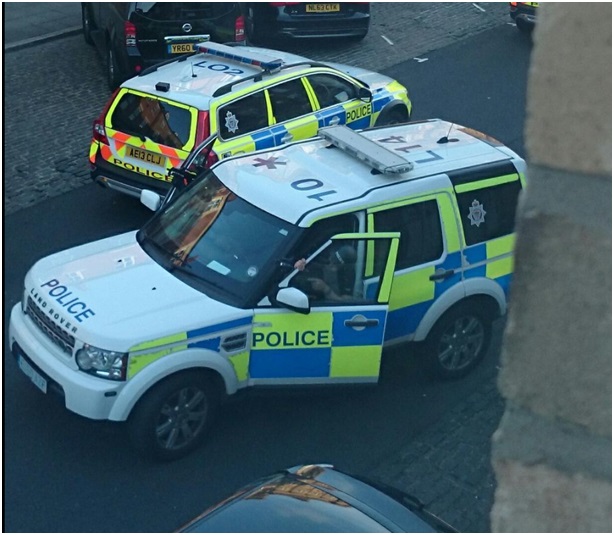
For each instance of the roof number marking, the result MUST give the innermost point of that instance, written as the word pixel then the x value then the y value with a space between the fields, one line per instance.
pixel 219 67
pixel 309 184
pixel 409 148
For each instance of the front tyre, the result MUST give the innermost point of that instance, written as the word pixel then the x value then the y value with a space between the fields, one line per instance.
pixel 458 341
pixel 396 115
pixel 172 418
pixel 86 22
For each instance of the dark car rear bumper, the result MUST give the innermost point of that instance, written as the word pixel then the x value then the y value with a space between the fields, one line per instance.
pixel 313 26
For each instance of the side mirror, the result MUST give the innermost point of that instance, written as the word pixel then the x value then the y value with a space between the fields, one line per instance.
pixel 293 299
pixel 365 95
pixel 151 199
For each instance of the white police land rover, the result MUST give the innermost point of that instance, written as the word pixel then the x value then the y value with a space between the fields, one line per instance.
pixel 290 266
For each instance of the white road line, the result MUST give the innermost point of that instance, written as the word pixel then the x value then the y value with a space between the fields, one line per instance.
pixel 480 8
pixel 387 40
pixel 420 60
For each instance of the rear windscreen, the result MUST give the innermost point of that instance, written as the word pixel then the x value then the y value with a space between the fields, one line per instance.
pixel 160 121
pixel 168 11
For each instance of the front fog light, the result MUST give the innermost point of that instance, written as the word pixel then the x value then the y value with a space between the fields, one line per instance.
pixel 102 363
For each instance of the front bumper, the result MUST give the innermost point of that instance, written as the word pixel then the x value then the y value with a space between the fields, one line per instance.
pixel 83 394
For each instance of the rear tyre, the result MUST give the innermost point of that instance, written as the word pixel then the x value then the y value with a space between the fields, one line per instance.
pixel 171 419
pixel 458 341
pixel 113 76
pixel 252 30
pixel 86 22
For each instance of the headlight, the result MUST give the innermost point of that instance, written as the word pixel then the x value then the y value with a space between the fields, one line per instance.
pixel 102 363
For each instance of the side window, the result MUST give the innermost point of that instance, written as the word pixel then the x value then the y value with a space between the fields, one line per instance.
pixel 321 231
pixel 243 116
pixel 289 100
pixel 488 213
pixel 331 90
pixel 335 275
pixel 421 234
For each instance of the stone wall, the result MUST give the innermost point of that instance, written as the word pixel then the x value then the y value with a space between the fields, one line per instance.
pixel 552 453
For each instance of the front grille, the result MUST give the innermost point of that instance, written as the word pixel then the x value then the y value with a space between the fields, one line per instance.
pixel 58 336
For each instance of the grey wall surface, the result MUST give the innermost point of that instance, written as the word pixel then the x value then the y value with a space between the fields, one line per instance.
pixel 552 453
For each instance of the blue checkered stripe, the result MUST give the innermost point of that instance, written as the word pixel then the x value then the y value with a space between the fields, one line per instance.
pixel 214 343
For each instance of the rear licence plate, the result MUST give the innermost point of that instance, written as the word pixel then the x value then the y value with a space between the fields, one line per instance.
pixel 181 48
pixel 35 377
pixel 321 8
pixel 146 156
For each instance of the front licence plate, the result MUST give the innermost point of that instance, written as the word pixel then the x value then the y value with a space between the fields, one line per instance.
pixel 181 48
pixel 34 376
pixel 146 156
pixel 321 8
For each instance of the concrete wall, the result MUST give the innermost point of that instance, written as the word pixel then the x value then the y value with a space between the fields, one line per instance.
pixel 552 453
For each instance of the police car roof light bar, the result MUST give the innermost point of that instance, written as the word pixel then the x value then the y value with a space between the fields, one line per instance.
pixel 363 148
pixel 266 63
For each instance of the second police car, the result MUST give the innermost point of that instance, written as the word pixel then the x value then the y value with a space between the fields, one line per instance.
pixel 290 266
pixel 240 99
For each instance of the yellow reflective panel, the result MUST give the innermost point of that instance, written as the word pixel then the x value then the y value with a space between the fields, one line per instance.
pixel 388 275
pixel 137 362
pixel 412 288
pixel 237 145
pixel 355 361
pixel 500 247
pixel 240 363
pixel 489 183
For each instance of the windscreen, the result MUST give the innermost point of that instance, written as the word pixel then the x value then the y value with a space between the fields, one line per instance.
pixel 217 241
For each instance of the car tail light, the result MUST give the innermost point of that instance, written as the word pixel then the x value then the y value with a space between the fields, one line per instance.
pixel 240 29
pixel 202 127
pixel 99 133
pixel 130 33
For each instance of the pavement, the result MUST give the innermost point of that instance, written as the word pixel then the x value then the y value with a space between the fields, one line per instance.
pixel 453 454
pixel 32 23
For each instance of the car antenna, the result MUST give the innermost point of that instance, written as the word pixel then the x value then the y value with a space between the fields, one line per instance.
pixel 446 139
pixel 192 65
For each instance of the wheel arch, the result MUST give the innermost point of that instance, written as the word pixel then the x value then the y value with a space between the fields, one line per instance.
pixel 196 360
pixel 395 105
pixel 484 292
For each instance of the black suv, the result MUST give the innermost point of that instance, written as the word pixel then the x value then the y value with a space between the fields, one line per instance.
pixel 132 36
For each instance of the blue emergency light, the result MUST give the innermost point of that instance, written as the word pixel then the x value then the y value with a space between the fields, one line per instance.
pixel 266 63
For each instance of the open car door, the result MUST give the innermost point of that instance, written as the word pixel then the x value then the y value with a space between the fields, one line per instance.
pixel 330 331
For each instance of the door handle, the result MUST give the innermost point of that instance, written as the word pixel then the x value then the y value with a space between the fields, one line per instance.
pixel 441 274
pixel 361 323
pixel 287 138
pixel 334 121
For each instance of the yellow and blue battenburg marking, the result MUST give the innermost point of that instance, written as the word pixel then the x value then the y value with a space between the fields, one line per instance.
pixel 161 347
pixel 492 259
pixel 317 345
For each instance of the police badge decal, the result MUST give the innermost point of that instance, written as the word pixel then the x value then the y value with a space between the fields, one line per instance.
pixel 476 213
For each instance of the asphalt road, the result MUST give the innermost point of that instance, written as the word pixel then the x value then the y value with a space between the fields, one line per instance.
pixel 65 474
